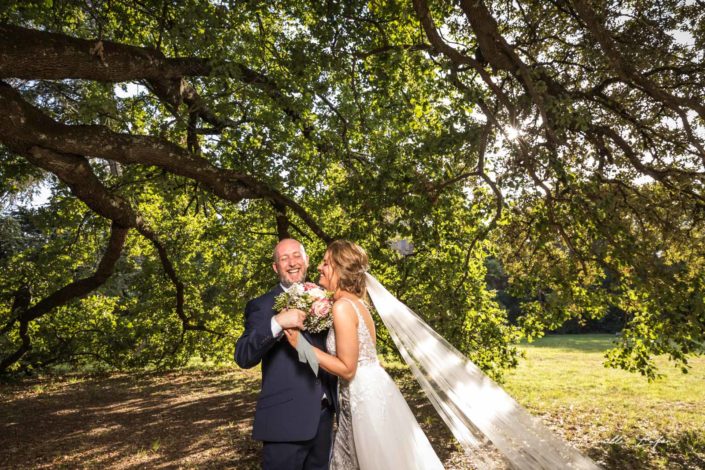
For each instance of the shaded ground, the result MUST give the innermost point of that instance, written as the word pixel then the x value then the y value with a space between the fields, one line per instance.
pixel 203 418
pixel 187 419
pixel 183 419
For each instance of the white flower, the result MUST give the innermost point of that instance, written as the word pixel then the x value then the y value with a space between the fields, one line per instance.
pixel 316 293
pixel 296 289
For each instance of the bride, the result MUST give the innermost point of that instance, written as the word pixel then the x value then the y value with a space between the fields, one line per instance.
pixel 376 428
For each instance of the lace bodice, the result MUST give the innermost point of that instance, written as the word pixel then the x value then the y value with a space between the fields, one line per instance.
pixel 368 352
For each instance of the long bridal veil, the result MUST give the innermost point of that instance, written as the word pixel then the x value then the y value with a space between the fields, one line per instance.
pixel 473 407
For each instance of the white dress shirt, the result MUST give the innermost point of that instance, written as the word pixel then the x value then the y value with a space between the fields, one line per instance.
pixel 277 329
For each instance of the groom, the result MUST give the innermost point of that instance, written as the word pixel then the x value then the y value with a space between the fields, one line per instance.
pixel 294 413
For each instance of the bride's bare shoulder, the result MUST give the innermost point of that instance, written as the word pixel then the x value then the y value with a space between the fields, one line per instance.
pixel 344 309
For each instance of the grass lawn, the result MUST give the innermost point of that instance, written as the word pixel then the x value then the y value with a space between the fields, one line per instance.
pixel 202 418
pixel 620 418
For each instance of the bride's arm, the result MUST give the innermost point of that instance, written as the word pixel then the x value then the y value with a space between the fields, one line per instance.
pixel 344 364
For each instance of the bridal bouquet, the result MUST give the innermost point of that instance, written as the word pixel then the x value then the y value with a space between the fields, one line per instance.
pixel 312 299
pixel 318 305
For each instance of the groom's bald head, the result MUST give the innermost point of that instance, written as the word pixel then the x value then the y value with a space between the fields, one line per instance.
pixel 287 244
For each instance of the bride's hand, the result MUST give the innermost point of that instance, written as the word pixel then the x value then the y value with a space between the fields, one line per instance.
pixel 292 336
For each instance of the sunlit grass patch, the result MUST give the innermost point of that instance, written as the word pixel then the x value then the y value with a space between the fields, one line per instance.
pixel 621 418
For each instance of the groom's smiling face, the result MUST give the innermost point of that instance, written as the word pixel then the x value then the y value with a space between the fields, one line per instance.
pixel 290 262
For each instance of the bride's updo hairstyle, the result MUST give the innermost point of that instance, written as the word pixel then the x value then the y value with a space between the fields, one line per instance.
pixel 350 263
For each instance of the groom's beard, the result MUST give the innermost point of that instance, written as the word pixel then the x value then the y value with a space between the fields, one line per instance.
pixel 289 281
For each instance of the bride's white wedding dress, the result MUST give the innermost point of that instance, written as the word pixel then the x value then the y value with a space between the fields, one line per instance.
pixel 376 428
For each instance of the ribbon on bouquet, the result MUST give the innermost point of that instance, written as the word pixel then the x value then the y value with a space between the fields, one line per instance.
pixel 306 353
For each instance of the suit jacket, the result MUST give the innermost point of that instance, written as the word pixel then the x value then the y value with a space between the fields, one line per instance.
pixel 289 405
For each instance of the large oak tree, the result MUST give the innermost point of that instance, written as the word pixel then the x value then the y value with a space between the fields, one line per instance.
pixel 181 139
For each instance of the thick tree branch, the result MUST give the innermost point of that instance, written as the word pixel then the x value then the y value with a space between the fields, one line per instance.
pixel 457 57
pixel 31 54
pixel 82 287
pixel 78 175
pixel 499 203
pixel 626 70
pixel 282 221
pixel 69 292
pixel 75 171
pixel 35 55
pixel 23 126
pixel 502 55
pixel 20 303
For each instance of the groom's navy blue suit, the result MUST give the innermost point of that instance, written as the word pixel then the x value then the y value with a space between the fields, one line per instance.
pixel 289 418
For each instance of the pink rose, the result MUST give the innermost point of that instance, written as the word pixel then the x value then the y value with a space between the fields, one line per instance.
pixel 309 286
pixel 321 309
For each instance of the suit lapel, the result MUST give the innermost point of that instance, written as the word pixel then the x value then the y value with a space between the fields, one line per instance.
pixel 273 293
pixel 276 290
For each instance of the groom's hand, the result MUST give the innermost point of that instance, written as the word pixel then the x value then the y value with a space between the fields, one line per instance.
pixel 293 318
